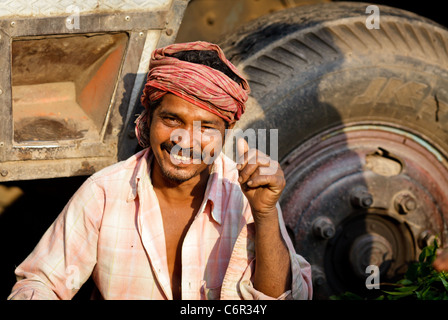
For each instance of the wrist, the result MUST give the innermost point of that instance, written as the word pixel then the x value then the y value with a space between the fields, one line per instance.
pixel 265 217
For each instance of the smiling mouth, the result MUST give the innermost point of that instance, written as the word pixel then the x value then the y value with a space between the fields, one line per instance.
pixel 181 158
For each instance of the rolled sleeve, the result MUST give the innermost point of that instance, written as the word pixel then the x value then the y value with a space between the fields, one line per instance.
pixel 301 288
pixel 301 283
pixel 66 254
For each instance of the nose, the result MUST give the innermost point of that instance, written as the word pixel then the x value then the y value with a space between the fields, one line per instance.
pixel 186 137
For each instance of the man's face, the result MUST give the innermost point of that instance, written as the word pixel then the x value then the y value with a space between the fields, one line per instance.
pixel 180 132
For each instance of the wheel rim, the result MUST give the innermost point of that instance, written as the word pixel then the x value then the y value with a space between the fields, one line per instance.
pixel 365 194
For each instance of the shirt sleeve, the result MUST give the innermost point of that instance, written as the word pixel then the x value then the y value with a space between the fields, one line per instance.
pixel 66 254
pixel 301 286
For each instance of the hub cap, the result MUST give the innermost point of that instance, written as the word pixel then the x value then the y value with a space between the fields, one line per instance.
pixel 364 195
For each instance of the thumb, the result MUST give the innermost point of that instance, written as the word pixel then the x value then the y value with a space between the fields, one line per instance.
pixel 242 147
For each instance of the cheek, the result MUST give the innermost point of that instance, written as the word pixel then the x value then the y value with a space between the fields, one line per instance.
pixel 158 134
pixel 211 142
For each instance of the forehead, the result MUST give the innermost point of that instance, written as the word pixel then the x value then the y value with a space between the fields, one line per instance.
pixel 186 111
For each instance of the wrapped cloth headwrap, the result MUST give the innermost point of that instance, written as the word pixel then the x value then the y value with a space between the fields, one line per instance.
pixel 201 85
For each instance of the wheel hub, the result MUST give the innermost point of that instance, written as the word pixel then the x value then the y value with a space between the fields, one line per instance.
pixel 369 249
pixel 364 195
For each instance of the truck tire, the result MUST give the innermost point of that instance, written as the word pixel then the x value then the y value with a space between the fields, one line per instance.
pixel 360 105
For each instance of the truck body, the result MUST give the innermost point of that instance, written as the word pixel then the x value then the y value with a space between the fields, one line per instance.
pixel 356 92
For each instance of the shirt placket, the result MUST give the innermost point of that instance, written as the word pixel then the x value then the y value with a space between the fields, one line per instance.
pixel 153 237
pixel 192 264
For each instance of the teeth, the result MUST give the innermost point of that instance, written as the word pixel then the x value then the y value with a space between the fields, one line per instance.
pixel 181 158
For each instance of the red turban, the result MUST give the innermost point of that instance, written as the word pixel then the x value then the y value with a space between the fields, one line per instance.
pixel 203 86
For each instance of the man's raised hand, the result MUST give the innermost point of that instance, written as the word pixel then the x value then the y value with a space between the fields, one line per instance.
pixel 261 179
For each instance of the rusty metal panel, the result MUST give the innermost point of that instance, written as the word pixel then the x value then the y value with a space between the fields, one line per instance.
pixel 71 78
pixel 210 20
pixel 55 7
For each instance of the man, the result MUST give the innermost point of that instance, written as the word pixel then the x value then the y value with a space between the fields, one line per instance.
pixel 178 220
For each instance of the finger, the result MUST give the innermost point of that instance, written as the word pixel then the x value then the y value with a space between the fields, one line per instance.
pixel 270 168
pixel 275 183
pixel 250 166
pixel 256 181
pixel 246 172
pixel 242 148
pixel 249 157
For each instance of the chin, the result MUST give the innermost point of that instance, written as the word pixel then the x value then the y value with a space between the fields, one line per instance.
pixel 177 171
pixel 177 176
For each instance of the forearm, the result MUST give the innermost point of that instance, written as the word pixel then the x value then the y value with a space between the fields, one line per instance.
pixel 278 269
pixel 66 254
pixel 273 266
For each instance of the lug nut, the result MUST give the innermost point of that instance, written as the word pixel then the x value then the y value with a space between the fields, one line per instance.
pixel 323 227
pixel 426 238
pixel 361 198
pixel 318 276
pixel 404 203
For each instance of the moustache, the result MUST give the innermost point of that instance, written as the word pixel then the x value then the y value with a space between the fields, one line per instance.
pixel 191 152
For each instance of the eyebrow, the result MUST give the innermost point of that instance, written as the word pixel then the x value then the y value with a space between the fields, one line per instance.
pixel 170 114
pixel 175 115
pixel 210 122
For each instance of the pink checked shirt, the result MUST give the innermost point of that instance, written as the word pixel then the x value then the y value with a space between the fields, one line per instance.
pixel 112 229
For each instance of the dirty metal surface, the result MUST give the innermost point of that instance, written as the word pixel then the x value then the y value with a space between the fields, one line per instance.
pixel 67 168
pixel 100 48
pixel 89 22
pixel 29 129
pixel 211 19
pixel 364 195
pixel 56 58
pixel 101 58
pixel 58 7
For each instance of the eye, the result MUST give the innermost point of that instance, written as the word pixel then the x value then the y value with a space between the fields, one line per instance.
pixel 208 131
pixel 170 120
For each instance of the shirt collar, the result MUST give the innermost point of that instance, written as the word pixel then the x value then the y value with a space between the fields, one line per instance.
pixel 213 192
pixel 141 162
